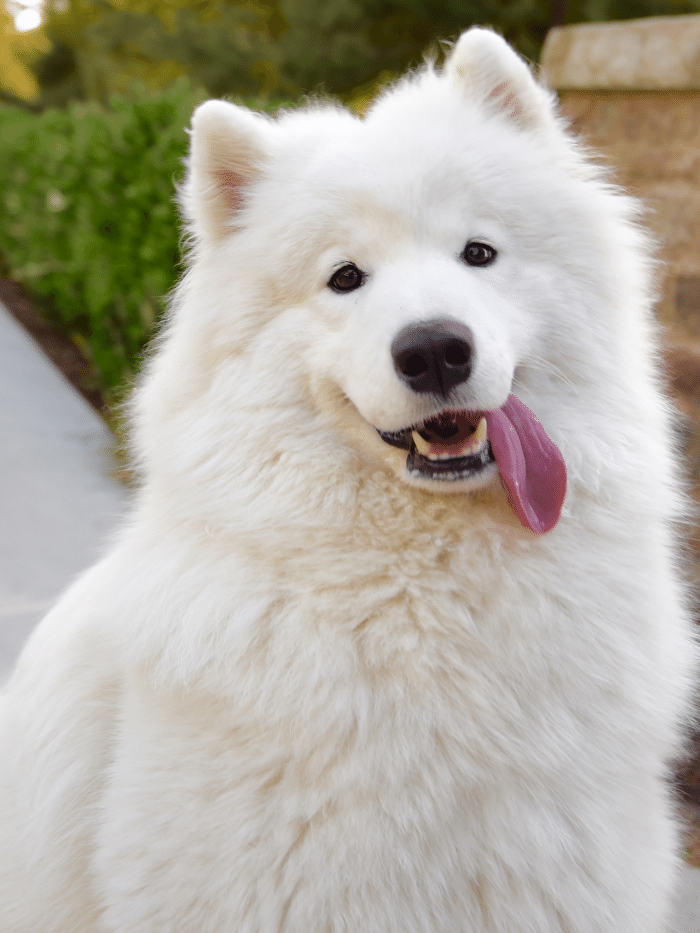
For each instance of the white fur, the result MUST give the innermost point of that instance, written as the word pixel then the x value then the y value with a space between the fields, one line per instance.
pixel 302 695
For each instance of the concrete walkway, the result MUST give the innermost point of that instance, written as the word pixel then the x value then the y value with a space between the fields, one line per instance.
pixel 687 918
pixel 60 502
pixel 58 498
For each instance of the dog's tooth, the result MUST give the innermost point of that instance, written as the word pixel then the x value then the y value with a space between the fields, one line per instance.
pixel 478 438
pixel 422 446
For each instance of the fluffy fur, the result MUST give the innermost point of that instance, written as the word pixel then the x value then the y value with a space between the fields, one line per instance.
pixel 304 692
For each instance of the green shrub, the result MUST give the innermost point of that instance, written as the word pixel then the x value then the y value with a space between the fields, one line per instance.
pixel 88 220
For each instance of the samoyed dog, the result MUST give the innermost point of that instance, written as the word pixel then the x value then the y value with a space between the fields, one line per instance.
pixel 395 640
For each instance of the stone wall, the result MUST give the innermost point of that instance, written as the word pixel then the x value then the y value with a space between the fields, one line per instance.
pixel 653 140
pixel 632 91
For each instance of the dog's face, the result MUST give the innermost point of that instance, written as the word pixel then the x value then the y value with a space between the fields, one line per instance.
pixel 423 270
pixel 418 305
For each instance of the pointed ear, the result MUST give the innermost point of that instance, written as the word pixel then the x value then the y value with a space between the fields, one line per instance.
pixel 489 70
pixel 227 153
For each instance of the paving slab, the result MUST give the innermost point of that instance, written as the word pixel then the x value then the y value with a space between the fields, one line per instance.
pixel 60 504
pixel 60 500
pixel 687 916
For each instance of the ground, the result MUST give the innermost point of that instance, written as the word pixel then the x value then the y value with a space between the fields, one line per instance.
pixel 57 346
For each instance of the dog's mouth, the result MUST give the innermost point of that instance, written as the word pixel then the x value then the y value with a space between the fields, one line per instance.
pixel 459 445
pixel 452 445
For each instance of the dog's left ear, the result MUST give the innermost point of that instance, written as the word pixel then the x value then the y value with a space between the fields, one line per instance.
pixel 490 71
pixel 228 151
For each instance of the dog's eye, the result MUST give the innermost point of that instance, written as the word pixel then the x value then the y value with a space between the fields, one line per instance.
pixel 347 278
pixel 479 254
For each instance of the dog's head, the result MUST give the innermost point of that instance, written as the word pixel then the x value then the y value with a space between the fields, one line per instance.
pixel 425 283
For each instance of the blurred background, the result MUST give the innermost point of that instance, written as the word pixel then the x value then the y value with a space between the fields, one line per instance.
pixel 94 99
pixel 94 96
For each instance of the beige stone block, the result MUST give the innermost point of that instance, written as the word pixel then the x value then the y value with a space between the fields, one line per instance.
pixel 651 141
pixel 644 54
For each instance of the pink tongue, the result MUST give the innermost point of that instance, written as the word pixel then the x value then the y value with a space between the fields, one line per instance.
pixel 531 466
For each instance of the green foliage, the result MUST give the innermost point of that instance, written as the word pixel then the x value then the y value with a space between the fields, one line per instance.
pixel 285 47
pixel 86 192
pixel 346 43
pixel 90 224
pixel 343 44
pixel 594 11
pixel 89 221
pixel 98 47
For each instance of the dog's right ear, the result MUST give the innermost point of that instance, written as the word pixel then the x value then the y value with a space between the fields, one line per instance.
pixel 487 69
pixel 227 153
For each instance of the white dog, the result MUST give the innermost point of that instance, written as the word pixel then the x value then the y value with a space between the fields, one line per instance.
pixel 394 641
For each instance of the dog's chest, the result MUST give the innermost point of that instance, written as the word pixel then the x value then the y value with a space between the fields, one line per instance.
pixel 343 776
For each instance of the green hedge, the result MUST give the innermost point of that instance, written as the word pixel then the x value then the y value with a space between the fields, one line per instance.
pixel 88 220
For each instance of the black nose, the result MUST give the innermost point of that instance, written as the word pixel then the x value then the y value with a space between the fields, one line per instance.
pixel 433 356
